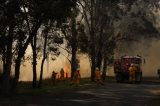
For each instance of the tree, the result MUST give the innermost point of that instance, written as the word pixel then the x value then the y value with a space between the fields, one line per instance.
pixel 88 11
pixel 74 63
pixel 104 15
pixel 71 32
pixel 34 63
pixel 139 21
pixel 9 11
pixel 36 12
pixel 46 30
pixel 99 16
pixel 52 40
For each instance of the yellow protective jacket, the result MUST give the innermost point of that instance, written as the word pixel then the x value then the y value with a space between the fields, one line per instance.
pixel 132 70
pixel 98 74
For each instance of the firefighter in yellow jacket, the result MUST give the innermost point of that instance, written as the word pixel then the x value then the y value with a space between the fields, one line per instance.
pixel 54 74
pixel 98 76
pixel 76 77
pixel 132 72
pixel 62 74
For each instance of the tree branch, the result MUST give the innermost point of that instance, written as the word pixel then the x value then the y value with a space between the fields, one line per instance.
pixel 85 15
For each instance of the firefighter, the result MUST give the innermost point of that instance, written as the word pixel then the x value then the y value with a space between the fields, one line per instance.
pixel 66 75
pixel 132 72
pixel 76 77
pixel 98 77
pixel 62 74
pixel 54 74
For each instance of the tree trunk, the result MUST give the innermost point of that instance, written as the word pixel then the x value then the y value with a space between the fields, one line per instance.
pixel 99 59
pixel 93 56
pixel 8 61
pixel 104 69
pixel 44 57
pixel 73 61
pixel 92 35
pixel 74 47
pixel 21 53
pixel 93 67
pixel 41 73
pixel 4 60
pixel 17 72
pixel 34 63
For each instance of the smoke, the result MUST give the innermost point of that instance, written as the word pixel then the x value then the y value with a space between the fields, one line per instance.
pixel 26 73
pixel 148 49
pixel 85 70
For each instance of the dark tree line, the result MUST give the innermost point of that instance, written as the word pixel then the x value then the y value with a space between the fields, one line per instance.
pixel 104 21
pixel 86 26
pixel 21 20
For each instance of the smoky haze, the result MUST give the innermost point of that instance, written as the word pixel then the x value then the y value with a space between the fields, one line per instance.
pixel 148 49
pixel 61 62
pixel 26 73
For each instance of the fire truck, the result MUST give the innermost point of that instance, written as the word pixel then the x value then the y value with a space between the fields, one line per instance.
pixel 122 65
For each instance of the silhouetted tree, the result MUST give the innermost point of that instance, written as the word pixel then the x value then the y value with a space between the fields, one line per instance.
pixel 34 61
pixel 99 16
pixel 36 12
pixel 9 10
pixel 52 38
pixel 71 33
pixel 104 15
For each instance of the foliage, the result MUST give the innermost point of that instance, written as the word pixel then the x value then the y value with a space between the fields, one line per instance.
pixel 89 26
pixel 139 21
pixel 24 18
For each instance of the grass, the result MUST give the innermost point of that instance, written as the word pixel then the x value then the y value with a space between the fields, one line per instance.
pixel 25 93
pixel 26 88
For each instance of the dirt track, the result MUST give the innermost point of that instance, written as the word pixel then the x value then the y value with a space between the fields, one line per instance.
pixel 111 94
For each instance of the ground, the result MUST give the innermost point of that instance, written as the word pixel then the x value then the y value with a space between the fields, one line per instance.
pixel 111 93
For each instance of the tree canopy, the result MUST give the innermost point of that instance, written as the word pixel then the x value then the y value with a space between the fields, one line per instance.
pixel 92 27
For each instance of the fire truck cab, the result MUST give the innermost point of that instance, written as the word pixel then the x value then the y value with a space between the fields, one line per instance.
pixel 122 65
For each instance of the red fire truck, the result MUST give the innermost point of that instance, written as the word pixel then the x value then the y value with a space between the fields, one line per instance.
pixel 122 65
